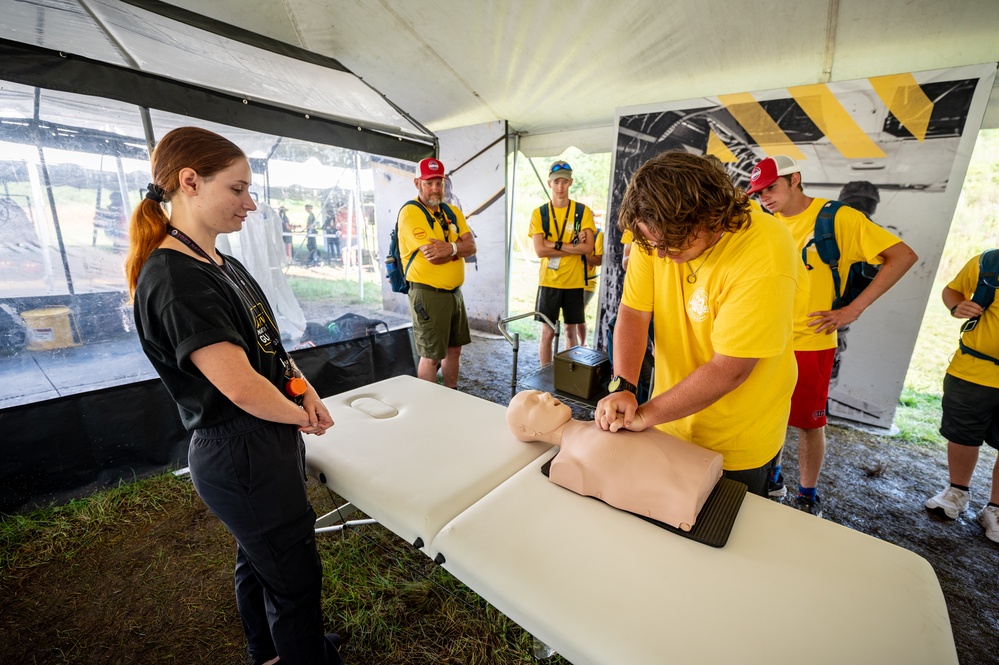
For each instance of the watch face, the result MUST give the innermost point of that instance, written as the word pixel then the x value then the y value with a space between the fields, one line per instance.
pixel 618 384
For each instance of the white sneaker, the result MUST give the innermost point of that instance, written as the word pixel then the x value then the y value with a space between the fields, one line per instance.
pixel 951 502
pixel 988 517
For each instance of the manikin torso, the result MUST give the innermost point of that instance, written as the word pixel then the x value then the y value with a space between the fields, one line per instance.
pixel 648 473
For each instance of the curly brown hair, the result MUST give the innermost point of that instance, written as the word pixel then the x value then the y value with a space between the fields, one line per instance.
pixel 676 195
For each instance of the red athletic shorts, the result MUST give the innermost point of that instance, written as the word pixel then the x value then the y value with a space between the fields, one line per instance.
pixel 808 403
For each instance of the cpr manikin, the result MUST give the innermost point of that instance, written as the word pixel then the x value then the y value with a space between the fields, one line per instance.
pixel 647 473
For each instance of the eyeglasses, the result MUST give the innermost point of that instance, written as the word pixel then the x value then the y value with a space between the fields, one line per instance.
pixel 560 166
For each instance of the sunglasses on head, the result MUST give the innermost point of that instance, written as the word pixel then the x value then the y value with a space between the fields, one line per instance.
pixel 562 166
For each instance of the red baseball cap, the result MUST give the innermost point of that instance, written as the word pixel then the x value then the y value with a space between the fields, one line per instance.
pixel 768 170
pixel 431 168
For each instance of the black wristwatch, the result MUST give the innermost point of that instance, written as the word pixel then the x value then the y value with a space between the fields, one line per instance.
pixel 618 383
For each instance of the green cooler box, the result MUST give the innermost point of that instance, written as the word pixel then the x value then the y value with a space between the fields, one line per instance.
pixel 581 371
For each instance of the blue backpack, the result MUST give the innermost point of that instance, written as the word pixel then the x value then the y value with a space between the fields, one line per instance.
pixel 394 273
pixel 860 274
pixel 985 292
pixel 577 223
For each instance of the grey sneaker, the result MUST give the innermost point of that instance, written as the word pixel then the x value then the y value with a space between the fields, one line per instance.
pixel 951 502
pixel 988 517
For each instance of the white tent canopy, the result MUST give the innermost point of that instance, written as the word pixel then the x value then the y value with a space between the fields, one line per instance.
pixel 556 71
pixel 159 57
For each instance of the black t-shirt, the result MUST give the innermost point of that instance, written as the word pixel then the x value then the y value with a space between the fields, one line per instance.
pixel 182 305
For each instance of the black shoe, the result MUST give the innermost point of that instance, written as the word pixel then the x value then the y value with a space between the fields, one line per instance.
pixel 810 506
pixel 334 639
pixel 775 487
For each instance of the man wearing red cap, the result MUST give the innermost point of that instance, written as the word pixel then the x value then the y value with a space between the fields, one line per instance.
pixel 438 238
pixel 778 181
pixel 562 248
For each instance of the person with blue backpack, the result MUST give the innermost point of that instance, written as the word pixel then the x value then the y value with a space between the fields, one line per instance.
pixel 971 390
pixel 831 237
pixel 433 242
pixel 563 234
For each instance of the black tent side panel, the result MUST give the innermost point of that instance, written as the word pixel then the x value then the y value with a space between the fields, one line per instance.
pixel 45 68
pixel 72 446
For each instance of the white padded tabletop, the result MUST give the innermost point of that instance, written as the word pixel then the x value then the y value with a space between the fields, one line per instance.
pixel 601 586
pixel 414 471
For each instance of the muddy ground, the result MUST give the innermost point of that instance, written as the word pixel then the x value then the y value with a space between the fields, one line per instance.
pixel 872 483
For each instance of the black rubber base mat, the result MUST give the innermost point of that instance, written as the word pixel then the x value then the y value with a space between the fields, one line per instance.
pixel 717 516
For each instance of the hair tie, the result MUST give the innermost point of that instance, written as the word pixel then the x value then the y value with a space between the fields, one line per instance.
pixel 154 192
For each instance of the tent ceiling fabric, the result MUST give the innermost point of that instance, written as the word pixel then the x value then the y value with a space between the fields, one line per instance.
pixel 145 57
pixel 547 67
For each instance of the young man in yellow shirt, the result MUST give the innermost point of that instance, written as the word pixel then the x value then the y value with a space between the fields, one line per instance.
pixel 562 250
pixel 720 282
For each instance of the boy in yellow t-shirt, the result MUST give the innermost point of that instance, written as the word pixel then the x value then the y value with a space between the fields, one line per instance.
pixel 778 181
pixel 561 250
pixel 970 401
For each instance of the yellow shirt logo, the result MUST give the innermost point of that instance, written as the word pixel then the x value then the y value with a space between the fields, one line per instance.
pixel 697 305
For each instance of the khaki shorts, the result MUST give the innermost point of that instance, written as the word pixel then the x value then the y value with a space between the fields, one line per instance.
pixel 439 320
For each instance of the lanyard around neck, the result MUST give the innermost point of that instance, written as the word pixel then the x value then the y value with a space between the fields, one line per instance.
pixel 243 290
pixel 565 222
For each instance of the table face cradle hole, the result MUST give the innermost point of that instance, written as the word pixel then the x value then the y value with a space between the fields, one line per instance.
pixel 374 408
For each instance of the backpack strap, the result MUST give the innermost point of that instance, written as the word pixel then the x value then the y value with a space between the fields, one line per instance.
pixel 577 221
pixel 426 213
pixel 430 221
pixel 985 291
pixel 546 224
pixel 824 239
pixel 988 269
pixel 449 213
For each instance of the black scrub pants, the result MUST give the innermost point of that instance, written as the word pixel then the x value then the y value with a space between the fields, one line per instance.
pixel 251 474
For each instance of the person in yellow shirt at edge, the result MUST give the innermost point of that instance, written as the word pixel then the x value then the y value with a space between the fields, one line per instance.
pixel 593 261
pixel 562 252
pixel 440 323
pixel 720 282
pixel 778 181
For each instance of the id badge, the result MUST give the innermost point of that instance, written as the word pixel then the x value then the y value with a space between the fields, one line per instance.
pixel 553 263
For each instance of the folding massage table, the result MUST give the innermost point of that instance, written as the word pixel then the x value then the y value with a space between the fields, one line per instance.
pixel 440 469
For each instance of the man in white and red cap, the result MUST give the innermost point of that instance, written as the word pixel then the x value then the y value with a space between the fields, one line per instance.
pixel 778 181
pixel 437 238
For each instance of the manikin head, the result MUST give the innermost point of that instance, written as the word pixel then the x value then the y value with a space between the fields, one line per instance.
pixel 533 415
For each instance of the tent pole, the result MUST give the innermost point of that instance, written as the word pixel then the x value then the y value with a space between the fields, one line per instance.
pixel 509 221
pixel 359 222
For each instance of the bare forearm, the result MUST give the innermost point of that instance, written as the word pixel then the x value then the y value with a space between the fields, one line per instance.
pixel 699 390
pixel 631 334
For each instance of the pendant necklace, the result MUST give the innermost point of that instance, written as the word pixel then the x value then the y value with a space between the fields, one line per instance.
pixel 692 277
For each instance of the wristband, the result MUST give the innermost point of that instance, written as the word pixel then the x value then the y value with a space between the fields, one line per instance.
pixel 953 308
pixel 454 249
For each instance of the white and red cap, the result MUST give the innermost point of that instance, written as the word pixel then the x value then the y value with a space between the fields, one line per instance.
pixel 768 170
pixel 431 168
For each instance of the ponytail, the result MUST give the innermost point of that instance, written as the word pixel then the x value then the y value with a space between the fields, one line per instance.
pixel 146 231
